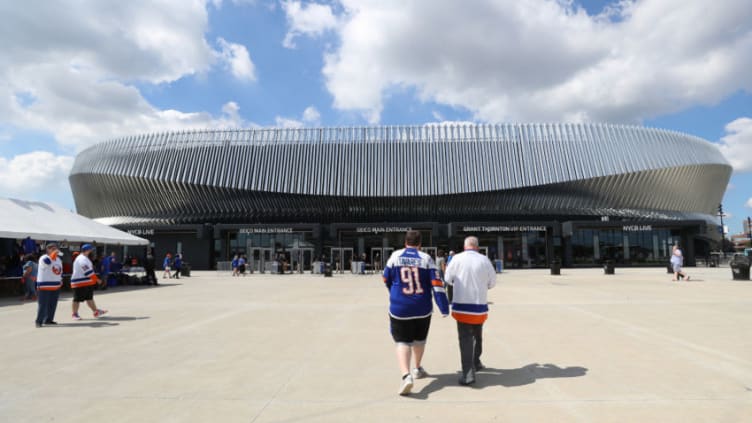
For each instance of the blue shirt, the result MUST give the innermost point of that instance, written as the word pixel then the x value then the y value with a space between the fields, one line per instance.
pixel 412 280
pixel 107 264
pixel 29 246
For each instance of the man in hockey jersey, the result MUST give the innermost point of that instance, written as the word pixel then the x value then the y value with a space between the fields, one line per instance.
pixel 49 282
pixel 83 281
pixel 412 279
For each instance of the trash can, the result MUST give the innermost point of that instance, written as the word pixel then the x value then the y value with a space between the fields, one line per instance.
pixel 499 266
pixel 556 267
pixel 609 267
pixel 740 268
pixel 185 270
pixel 327 270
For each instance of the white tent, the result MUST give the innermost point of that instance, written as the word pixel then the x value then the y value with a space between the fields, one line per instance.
pixel 43 222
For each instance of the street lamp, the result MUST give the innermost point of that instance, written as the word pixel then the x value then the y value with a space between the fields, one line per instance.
pixel 720 213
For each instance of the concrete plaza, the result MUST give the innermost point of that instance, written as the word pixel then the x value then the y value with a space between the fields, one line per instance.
pixel 580 347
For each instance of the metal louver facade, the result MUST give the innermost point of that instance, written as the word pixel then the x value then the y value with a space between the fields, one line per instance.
pixel 403 173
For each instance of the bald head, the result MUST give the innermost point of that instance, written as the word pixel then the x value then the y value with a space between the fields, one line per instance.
pixel 471 243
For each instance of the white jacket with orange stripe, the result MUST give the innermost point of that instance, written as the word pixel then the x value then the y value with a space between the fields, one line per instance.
pixel 472 275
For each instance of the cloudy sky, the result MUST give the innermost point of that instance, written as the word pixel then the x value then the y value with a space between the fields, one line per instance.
pixel 76 72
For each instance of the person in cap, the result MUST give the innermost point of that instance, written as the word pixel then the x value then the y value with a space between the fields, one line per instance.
pixel 83 281
pixel 49 282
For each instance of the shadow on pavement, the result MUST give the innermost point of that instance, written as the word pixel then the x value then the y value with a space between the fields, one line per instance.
pixel 66 294
pixel 122 318
pixel 105 321
pixel 90 324
pixel 126 288
pixel 501 377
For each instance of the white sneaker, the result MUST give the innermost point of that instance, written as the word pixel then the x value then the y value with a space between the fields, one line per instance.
pixel 407 385
pixel 419 372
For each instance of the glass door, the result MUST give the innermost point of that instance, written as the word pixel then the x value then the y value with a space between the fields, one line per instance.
pixel 301 259
pixel 259 258
pixel 431 251
pixel 342 258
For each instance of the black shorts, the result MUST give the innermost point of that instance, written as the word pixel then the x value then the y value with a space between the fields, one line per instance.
pixel 410 331
pixel 82 294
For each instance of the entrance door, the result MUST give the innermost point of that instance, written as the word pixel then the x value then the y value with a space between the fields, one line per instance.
pixel 301 259
pixel 258 259
pixel 342 258
pixel 431 251
pixel 379 257
pixel 512 251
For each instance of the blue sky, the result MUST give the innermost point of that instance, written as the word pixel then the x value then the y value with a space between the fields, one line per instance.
pixel 82 73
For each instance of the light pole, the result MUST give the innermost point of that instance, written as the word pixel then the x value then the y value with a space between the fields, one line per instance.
pixel 720 213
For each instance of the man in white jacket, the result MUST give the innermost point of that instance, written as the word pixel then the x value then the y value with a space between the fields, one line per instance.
pixel 472 275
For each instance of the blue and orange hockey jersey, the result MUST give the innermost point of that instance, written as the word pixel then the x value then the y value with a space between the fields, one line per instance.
pixel 412 279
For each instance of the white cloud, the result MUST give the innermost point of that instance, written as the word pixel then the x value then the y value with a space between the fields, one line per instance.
pixel 312 19
pixel 538 59
pixel 736 145
pixel 236 57
pixel 283 122
pixel 70 69
pixel 749 203
pixel 311 115
pixel 218 3
pixel 25 174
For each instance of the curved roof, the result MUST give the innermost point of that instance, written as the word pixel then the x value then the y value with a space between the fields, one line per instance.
pixel 439 171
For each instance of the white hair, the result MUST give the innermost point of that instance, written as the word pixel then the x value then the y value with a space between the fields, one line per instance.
pixel 471 242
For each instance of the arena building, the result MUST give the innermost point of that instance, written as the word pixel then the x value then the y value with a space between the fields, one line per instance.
pixel 582 193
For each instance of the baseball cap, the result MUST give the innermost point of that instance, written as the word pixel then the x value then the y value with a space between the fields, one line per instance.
pixel 86 247
pixel 51 244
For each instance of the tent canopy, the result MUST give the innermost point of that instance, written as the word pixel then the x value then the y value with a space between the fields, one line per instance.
pixel 43 221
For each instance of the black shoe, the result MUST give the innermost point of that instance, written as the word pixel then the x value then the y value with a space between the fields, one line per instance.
pixel 39 325
pixel 50 323
pixel 479 366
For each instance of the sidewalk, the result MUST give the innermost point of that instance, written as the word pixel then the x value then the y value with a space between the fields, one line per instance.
pixel 581 347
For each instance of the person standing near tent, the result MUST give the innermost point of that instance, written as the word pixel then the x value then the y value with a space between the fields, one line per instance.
pixel 149 266
pixel 108 265
pixel 29 278
pixel 29 246
pixel 83 281
pixel 49 282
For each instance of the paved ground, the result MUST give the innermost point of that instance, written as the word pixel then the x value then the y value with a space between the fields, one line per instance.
pixel 581 347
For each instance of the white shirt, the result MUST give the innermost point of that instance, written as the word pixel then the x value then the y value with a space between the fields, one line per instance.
pixel 472 275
